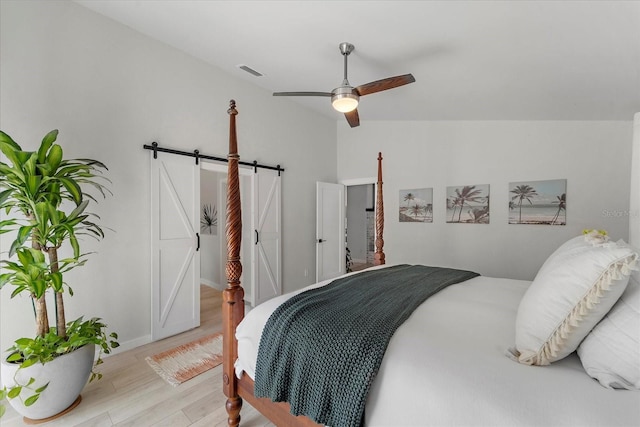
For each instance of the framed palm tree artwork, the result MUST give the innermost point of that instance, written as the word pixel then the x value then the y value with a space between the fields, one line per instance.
pixel 416 205
pixel 468 204
pixel 538 202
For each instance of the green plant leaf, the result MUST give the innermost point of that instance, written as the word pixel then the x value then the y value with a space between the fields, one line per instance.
pixel 31 399
pixel 14 392
pixel 7 140
pixel 46 143
pixel 42 219
pixel 55 157
pixel 10 151
pixel 54 214
pixel 38 288
pixel 6 224
pixel 4 279
pixel 4 195
pixel 43 388
pixel 15 357
pixel 75 245
pixel 24 233
pixel 27 363
pixel 56 281
pixel 14 247
pixel 25 256
pixel 78 210
pixel 73 188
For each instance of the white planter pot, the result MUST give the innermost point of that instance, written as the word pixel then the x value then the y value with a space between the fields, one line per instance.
pixel 67 375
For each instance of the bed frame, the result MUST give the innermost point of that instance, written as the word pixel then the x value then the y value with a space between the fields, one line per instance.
pixel 233 297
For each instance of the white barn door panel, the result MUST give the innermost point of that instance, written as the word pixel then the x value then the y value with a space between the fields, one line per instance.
pixel 266 238
pixel 175 218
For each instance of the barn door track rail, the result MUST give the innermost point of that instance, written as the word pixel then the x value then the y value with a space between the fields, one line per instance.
pixel 196 154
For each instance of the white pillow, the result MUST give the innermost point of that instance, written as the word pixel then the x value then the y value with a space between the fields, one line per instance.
pixel 573 290
pixel 611 351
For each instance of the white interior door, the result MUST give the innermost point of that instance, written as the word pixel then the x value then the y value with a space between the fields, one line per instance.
pixel 266 255
pixel 175 219
pixel 330 231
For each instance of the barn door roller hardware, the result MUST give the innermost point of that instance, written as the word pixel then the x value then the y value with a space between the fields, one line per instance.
pixel 255 165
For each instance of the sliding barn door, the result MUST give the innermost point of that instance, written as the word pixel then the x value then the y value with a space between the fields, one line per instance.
pixel 266 256
pixel 330 231
pixel 175 218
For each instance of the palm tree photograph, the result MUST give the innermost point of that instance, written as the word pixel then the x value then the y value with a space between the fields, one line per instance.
pixel 416 205
pixel 538 202
pixel 468 204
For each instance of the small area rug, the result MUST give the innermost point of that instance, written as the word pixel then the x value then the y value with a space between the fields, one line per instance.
pixel 186 361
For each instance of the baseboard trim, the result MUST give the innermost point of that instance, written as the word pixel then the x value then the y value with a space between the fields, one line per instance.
pixel 129 345
pixel 212 284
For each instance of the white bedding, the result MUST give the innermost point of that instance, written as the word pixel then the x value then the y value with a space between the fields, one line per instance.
pixel 446 366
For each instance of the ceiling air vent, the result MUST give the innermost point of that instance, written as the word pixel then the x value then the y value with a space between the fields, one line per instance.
pixel 250 70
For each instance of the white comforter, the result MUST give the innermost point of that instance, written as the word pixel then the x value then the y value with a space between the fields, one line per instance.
pixel 446 366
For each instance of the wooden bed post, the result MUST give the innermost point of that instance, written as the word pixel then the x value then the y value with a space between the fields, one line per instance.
pixel 233 295
pixel 378 257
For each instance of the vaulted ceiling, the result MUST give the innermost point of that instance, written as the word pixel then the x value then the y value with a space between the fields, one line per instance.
pixel 472 60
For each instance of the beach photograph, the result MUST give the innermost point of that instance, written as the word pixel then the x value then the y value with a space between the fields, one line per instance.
pixel 538 202
pixel 468 204
pixel 416 205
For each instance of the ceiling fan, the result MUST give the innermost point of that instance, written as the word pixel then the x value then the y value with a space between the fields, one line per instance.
pixel 345 98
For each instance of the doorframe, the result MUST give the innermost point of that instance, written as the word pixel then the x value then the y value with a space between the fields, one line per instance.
pixel 345 183
pixel 360 181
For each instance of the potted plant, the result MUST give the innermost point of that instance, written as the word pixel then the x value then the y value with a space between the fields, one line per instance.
pixel 45 198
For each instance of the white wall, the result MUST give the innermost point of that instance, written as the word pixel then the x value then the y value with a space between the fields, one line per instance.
pixel 594 157
pixel 109 90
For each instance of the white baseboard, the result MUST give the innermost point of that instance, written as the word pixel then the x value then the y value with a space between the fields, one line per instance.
pixel 212 284
pixel 146 339
pixel 129 345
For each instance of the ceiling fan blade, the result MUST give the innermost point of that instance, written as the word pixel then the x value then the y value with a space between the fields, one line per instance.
pixel 384 84
pixel 353 118
pixel 301 93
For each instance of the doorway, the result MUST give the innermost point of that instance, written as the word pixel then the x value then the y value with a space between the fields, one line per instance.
pixel 185 222
pixel 213 207
pixel 360 226
pixel 211 231
pixel 333 227
pixel 260 251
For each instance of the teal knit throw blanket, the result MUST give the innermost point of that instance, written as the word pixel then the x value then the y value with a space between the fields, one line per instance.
pixel 321 349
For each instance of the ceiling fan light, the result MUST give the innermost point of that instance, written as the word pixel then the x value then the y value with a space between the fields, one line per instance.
pixel 344 100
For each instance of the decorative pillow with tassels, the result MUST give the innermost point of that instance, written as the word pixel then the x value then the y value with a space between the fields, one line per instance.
pixel 572 292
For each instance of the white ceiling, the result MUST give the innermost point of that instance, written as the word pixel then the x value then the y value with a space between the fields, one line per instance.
pixel 472 60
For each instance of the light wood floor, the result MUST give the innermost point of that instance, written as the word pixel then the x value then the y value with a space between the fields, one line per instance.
pixel 132 394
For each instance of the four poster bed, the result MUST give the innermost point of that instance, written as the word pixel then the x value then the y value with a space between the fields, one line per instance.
pixel 447 363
